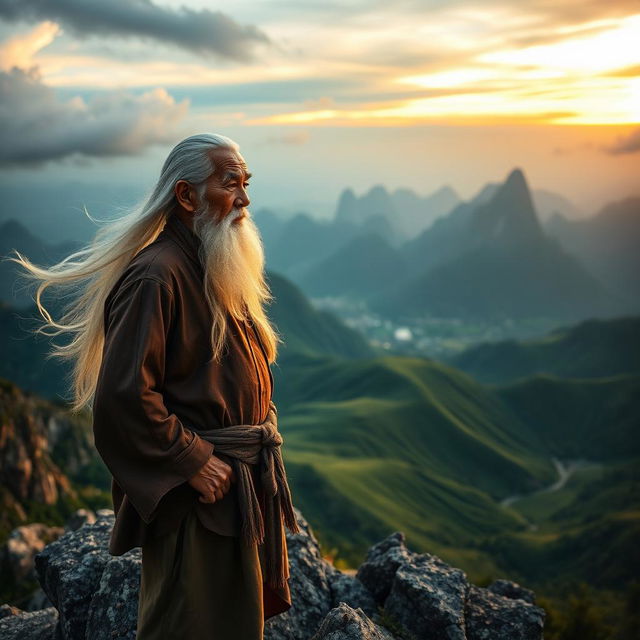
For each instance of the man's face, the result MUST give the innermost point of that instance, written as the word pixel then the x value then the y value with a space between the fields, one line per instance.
pixel 226 188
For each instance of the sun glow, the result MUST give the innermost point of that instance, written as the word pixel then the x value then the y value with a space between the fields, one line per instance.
pixel 583 79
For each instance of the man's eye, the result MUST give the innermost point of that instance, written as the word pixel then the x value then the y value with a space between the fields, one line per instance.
pixel 246 184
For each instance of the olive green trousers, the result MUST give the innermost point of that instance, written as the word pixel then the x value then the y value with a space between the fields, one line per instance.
pixel 199 585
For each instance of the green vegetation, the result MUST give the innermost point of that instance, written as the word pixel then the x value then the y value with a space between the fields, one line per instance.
pixel 375 445
pixel 591 349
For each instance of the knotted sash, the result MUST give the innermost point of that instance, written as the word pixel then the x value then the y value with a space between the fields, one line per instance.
pixel 249 444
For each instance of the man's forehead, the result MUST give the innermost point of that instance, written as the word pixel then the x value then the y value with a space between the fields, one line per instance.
pixel 226 160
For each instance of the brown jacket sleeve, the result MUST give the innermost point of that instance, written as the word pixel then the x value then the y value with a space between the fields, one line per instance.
pixel 146 448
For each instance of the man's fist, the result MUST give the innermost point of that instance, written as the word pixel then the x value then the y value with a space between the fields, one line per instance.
pixel 213 480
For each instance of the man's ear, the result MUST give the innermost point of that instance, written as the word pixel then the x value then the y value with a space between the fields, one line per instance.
pixel 186 195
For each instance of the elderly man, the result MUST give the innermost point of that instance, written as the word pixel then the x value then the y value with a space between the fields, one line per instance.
pixel 182 412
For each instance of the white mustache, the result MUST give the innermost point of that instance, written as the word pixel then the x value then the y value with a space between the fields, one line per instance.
pixel 234 215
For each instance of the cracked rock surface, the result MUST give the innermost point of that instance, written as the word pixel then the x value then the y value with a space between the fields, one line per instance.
pixel 396 593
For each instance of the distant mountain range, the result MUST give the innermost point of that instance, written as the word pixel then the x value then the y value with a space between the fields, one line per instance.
pixel 507 253
pixel 408 214
pixel 608 244
pixel 487 259
pixel 493 260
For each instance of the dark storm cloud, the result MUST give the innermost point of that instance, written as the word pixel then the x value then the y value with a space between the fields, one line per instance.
pixel 35 126
pixel 202 31
pixel 626 144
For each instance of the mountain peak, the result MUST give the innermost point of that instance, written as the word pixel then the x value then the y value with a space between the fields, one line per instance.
pixel 516 177
pixel 346 206
pixel 509 214
pixel 377 191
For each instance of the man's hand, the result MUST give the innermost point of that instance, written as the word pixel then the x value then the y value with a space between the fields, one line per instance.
pixel 213 480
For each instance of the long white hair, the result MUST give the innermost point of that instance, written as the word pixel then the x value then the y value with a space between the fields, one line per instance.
pixel 90 273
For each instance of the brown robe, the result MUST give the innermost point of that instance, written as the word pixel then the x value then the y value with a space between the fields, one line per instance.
pixel 156 388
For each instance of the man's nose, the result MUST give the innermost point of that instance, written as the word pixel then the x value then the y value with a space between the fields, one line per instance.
pixel 243 199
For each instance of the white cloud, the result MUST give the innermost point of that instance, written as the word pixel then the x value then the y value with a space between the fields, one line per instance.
pixel 35 126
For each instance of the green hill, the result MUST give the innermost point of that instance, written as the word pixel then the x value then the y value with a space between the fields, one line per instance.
pixel 307 330
pixel 598 419
pixel 405 443
pixel 588 531
pixel 393 443
pixel 590 349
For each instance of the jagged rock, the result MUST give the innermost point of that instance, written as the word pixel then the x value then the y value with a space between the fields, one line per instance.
pixel 31 625
pixel 310 589
pixel 348 589
pixel 21 547
pixel 490 616
pixel 510 589
pixel 113 613
pixel 70 570
pixel 427 597
pixel 30 461
pixel 430 599
pixel 345 623
pixel 95 595
pixel 79 519
pixel 376 573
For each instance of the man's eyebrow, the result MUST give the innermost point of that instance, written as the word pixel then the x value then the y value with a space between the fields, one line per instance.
pixel 234 175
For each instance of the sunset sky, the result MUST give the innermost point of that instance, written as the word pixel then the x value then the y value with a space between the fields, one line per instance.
pixel 324 95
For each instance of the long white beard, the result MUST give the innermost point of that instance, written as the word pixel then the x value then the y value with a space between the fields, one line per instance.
pixel 232 255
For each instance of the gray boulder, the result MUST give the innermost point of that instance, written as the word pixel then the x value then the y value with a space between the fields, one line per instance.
pixel 345 623
pixel 396 592
pixel 489 616
pixel 310 587
pixel 70 570
pixel 29 625
pixel 427 598
pixel 430 600
pixel 113 613
pixel 510 589
pixel 378 570
pixel 348 589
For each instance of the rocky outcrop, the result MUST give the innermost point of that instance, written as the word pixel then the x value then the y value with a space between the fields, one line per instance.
pixel 396 593
pixel 41 448
pixel 345 623
pixel 31 625
pixel 427 598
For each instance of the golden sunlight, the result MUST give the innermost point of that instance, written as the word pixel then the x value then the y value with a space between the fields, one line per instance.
pixel 581 79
